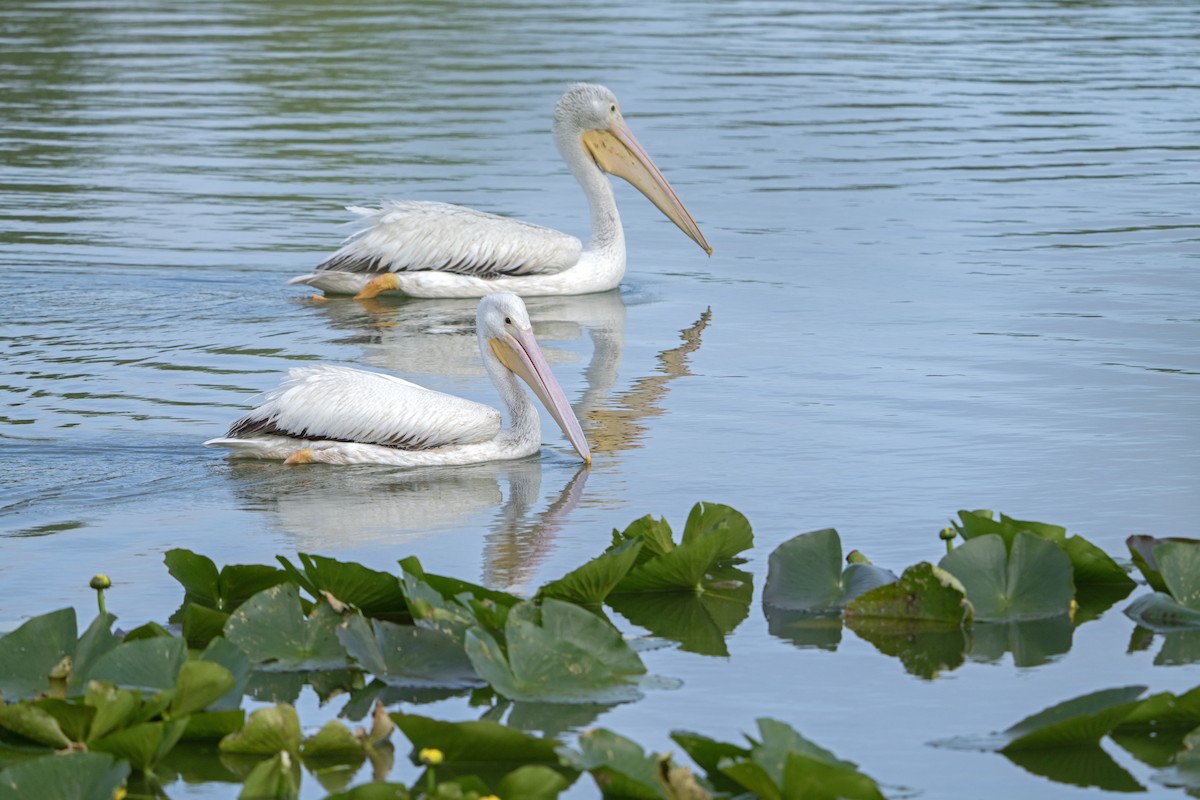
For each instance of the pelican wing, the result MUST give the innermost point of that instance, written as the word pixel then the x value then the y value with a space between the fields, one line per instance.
pixel 407 236
pixel 348 405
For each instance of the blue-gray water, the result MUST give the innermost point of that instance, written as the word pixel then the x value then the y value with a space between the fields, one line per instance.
pixel 955 267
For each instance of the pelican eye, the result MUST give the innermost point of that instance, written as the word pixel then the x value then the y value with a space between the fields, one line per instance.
pixel 508 320
pixel 613 108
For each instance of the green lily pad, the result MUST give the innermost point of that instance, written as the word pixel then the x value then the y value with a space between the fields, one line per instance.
pixel 1079 721
pixel 1185 771
pixel 73 717
pixel 479 745
pixel 374 593
pixel 97 640
pixel 1161 612
pixel 532 782
pixel 404 655
pixel 374 791
pixel 1141 549
pixel 200 684
pixel 143 664
pixel 200 625
pixel 655 535
pixel 273 632
pixel 620 767
pixel 223 590
pixel 334 742
pixel 144 745
pixel 230 656
pixel 805 574
pixel 1178 569
pixel 699 623
pixel 924 594
pixel 708 754
pixel 1029 580
pixel 558 652
pixel 74 776
pixel 115 708
pixel 590 584
pixel 33 723
pixel 714 534
pixel 29 653
pixel 267 731
pixel 214 725
pixel 1165 711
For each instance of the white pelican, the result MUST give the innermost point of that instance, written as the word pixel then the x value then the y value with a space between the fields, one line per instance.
pixel 426 249
pixel 338 415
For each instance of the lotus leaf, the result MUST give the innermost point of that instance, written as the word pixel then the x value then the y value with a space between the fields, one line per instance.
pixel 268 731
pixel 74 776
pixel 557 652
pixel 590 584
pixel 1079 721
pixel 272 631
pixel 805 574
pixel 619 766
pixel 143 745
pixel 924 594
pixel 29 653
pixel 374 593
pixel 403 655
pixel 1029 580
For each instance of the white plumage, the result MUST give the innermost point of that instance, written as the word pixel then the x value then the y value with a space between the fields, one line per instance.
pixel 340 415
pixel 427 249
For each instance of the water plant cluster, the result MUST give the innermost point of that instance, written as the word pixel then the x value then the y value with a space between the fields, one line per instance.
pixel 103 714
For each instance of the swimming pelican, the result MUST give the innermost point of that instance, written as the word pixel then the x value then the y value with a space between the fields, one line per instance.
pixel 338 415
pixel 426 249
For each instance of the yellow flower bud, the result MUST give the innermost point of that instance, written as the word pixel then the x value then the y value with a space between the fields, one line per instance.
pixel 431 756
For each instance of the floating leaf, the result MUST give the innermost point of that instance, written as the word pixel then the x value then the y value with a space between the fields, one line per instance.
pixel 1141 549
pixel 374 593
pixel 404 655
pixel 115 708
pixel 94 643
pixel 143 664
pixel 272 630
pixel 732 527
pixel 590 584
pixel 33 723
pixel 142 745
pixel 532 782
pixel 200 684
pixel 477 743
pixel 230 656
pixel 376 791
pixel 708 754
pixel 655 535
pixel 267 731
pixel 1185 772
pixel 1031 579
pixel 1164 711
pixel 201 625
pixel 619 766
pixel 924 593
pixel 805 574
pixel 558 652
pixel 29 653
pixel 214 725
pixel 225 590
pixel 1081 720
pixel 74 776
pixel 714 534
pixel 1161 612
pixel 334 742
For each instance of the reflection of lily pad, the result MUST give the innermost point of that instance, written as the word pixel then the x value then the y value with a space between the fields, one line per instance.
pixel 805 574
pixel 1178 563
pixel 1185 772
pixel 1033 642
pixel 1029 580
pixel 1165 711
pixel 558 652
pixel 823 632
pixel 699 623
pixel 925 650
pixel 1087 766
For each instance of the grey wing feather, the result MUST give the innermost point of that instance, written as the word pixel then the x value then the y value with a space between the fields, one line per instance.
pixel 407 235
pixel 349 405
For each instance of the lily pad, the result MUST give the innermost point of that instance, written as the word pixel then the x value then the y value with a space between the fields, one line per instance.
pixel 143 664
pixel 714 534
pixel 1086 766
pixel 805 574
pixel 374 593
pixel 276 778
pixel 74 776
pixel 1079 721
pixel 97 640
pixel 924 594
pixel 144 745
pixel 482 747
pixel 590 584
pixel 1141 549
pixel 557 652
pixel 1029 580
pixel 620 767
pixel 268 731
pixel 1165 711
pixel 273 631
pixel 334 742
pixel 223 590
pixel 29 653
pixel 404 655
pixel 33 723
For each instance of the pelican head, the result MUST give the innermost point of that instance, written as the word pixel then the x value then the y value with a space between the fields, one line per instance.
pixel 589 115
pixel 503 327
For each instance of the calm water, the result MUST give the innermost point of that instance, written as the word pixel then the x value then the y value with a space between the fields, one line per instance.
pixel 955 267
